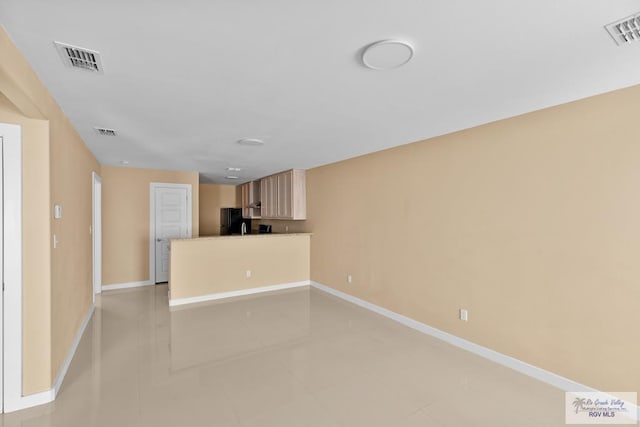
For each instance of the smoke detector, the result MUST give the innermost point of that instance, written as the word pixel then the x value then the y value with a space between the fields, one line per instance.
pixel 79 57
pixel 625 31
pixel 105 131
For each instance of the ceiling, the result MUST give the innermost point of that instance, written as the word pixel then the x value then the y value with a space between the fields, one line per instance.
pixel 183 81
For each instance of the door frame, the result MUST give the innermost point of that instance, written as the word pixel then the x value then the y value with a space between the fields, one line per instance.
pixel 96 233
pixel 152 221
pixel 12 267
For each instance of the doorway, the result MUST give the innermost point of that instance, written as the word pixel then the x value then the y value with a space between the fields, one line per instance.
pixel 96 233
pixel 11 268
pixel 1 275
pixel 170 211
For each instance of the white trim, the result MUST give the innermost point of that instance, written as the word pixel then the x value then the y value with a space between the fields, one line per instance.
pixel 30 401
pixel 1 280
pixel 152 221
pixel 96 234
pixel 242 292
pixel 502 359
pixel 126 285
pixel 49 395
pixel 12 265
pixel 72 351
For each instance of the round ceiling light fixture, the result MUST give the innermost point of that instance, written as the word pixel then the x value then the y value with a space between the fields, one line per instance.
pixel 250 141
pixel 387 54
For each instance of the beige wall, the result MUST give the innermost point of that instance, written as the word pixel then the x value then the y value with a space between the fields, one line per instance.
pixel 212 198
pixel 125 219
pixel 66 180
pixel 72 165
pixel 213 265
pixel 531 223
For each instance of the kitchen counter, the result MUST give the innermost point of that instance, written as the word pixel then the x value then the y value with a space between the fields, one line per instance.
pixel 214 267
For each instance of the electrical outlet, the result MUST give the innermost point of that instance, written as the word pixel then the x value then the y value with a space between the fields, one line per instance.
pixel 55 241
pixel 349 278
pixel 464 315
pixel 248 273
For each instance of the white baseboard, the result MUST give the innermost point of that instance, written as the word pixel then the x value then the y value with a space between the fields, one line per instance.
pixel 502 359
pixel 242 292
pixel 47 396
pixel 29 401
pixel 72 351
pixel 126 285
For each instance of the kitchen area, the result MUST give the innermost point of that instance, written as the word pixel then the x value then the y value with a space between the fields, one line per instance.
pixel 253 251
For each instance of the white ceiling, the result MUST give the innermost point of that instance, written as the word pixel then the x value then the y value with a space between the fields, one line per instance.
pixel 186 79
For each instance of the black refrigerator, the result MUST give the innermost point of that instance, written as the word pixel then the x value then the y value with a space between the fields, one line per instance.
pixel 231 221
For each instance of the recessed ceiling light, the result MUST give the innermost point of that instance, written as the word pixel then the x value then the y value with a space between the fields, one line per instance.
pixel 234 169
pixel 124 162
pixel 250 141
pixel 387 54
pixel 231 177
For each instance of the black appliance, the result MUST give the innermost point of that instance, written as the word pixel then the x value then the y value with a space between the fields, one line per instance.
pixel 264 229
pixel 231 222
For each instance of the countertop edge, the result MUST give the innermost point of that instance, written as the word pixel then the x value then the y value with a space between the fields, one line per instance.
pixel 246 236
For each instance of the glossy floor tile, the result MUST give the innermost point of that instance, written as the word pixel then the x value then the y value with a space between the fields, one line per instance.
pixel 293 358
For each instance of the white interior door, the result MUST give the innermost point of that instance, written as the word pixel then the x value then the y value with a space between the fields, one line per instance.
pixel 172 220
pixel 2 278
pixel 11 262
pixel 96 228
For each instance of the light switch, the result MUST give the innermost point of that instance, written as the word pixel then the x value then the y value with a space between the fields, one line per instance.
pixel 57 211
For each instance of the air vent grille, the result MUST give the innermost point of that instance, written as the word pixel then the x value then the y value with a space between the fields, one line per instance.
pixel 79 57
pixel 625 31
pixel 105 131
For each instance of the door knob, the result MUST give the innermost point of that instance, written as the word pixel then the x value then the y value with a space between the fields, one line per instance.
pixel 158 240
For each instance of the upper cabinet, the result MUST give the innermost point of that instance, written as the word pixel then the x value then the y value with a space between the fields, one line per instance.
pixel 285 181
pixel 268 190
pixel 251 199
pixel 284 195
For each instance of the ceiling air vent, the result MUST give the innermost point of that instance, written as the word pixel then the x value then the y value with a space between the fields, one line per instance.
pixel 79 57
pixel 626 30
pixel 105 131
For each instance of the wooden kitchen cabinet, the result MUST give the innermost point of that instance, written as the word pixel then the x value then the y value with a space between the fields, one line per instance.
pixel 269 202
pixel 284 195
pixel 250 192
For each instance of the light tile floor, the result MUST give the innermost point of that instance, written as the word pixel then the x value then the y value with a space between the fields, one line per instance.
pixel 293 358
